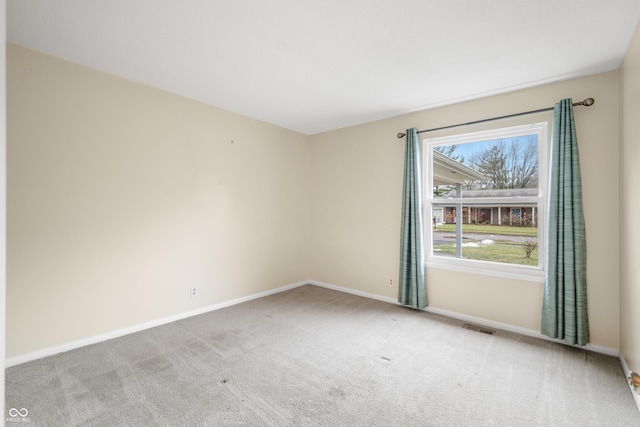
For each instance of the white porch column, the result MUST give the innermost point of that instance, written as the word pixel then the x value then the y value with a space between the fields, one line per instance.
pixel 459 223
pixel 533 216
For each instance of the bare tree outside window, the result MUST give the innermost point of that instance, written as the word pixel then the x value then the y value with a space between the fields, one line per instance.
pixel 507 164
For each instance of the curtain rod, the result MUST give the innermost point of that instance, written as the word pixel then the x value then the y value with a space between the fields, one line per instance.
pixel 587 103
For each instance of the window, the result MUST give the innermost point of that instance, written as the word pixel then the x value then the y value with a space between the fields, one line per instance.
pixel 484 195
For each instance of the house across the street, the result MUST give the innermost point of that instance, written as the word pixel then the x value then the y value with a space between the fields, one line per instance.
pixel 509 213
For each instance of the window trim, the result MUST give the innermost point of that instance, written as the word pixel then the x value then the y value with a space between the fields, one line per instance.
pixel 513 271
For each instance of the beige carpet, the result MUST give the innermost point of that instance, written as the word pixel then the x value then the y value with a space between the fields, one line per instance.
pixel 317 357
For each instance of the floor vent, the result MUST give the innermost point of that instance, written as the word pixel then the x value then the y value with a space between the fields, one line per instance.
pixel 479 329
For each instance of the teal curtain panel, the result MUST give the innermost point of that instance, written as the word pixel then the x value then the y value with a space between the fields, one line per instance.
pixel 412 289
pixel 564 310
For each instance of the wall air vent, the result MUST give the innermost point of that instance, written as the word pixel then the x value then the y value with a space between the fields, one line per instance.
pixel 479 329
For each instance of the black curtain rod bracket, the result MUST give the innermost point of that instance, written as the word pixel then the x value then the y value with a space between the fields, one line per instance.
pixel 587 103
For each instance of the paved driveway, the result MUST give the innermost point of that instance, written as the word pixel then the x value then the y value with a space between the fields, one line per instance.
pixel 442 237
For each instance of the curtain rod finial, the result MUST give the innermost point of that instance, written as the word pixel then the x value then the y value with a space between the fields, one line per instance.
pixel 401 135
pixel 588 102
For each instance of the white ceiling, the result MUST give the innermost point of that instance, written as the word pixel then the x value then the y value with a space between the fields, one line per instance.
pixel 314 66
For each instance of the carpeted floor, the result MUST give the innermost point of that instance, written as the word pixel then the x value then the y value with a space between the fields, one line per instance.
pixel 317 357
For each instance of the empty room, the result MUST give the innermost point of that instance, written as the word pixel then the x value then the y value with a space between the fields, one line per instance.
pixel 416 213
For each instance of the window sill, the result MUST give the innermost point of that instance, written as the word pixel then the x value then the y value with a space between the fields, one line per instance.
pixel 525 273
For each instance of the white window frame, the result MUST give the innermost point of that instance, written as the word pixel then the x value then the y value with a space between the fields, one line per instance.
pixel 515 271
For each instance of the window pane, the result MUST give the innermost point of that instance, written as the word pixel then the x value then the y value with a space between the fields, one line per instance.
pixel 489 233
pixel 504 172
pixel 498 164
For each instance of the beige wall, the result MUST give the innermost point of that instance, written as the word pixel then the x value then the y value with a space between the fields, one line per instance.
pixel 356 190
pixel 121 197
pixel 630 206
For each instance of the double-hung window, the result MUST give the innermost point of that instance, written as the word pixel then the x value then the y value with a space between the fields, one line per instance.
pixel 485 195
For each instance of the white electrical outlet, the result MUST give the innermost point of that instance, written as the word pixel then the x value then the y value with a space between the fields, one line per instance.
pixel 194 292
pixel 390 282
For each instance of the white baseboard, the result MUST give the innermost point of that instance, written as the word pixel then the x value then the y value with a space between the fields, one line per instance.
pixel 354 292
pixel 50 351
pixel 471 319
pixel 626 370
